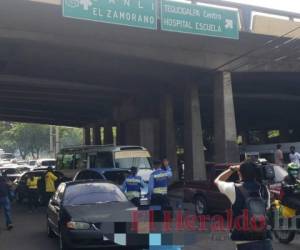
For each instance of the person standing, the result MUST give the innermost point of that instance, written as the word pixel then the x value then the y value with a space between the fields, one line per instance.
pixel 50 179
pixel 248 196
pixel 5 202
pixel 166 166
pixel 279 160
pixel 294 156
pixel 132 186
pixel 158 187
pixel 32 187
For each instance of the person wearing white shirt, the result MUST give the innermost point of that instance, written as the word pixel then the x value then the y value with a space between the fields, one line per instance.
pixel 294 156
pixel 245 240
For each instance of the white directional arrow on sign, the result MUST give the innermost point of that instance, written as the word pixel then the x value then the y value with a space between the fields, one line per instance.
pixel 86 4
pixel 228 24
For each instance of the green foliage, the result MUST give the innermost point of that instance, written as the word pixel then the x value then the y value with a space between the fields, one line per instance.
pixel 70 136
pixel 29 138
pixel 32 139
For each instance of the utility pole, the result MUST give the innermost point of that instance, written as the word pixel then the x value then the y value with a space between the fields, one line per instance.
pixel 51 134
pixel 57 140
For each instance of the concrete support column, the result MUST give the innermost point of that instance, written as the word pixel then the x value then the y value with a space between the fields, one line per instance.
pixel 149 136
pixel 108 135
pixel 96 135
pixel 226 148
pixel 193 142
pixel 167 132
pixel 121 133
pixel 132 132
pixel 86 136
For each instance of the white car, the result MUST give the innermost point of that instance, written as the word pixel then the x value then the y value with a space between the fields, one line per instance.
pixel 11 171
pixel 44 163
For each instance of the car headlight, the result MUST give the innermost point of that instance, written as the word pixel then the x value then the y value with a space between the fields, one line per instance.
pixel 78 225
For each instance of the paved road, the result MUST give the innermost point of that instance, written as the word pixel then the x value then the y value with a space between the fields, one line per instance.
pixel 30 234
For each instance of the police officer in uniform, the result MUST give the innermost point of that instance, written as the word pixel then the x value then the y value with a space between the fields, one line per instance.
pixel 158 186
pixel 132 186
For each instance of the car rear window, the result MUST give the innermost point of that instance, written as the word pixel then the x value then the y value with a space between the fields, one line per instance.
pixel 93 193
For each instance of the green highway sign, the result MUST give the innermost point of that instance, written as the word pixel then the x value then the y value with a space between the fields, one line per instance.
pixel 199 20
pixel 135 13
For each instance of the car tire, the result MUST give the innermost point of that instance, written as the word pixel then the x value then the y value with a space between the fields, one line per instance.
pixel 62 243
pixel 200 205
pixel 284 237
pixel 50 232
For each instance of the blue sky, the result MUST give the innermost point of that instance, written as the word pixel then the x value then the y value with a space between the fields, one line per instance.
pixel 287 5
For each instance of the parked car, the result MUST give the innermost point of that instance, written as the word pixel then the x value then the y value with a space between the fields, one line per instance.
pixel 21 187
pixel 206 197
pixel 81 213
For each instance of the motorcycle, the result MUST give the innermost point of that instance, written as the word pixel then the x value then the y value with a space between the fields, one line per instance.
pixel 284 220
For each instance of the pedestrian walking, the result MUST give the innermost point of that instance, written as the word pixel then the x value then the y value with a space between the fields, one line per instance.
pixel 50 179
pixel 32 188
pixel 294 156
pixel 5 202
pixel 279 160
pixel 132 186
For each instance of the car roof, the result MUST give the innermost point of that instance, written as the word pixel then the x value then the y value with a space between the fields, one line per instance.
pixel 72 183
pixel 112 148
pixel 46 159
pixel 103 170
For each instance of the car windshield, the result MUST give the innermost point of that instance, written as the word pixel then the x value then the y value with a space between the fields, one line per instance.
pixel 127 159
pixel 48 163
pixel 93 193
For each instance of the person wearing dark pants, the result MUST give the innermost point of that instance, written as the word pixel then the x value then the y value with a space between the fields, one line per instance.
pixel 5 202
pixel 32 185
pixel 50 179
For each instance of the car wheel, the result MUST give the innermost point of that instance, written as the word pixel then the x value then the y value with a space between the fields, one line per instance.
pixel 284 236
pixel 200 205
pixel 62 243
pixel 50 232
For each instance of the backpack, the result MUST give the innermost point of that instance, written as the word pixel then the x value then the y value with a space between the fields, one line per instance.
pixel 256 209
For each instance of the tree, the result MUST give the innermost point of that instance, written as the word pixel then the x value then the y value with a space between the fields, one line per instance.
pixel 70 136
pixel 29 138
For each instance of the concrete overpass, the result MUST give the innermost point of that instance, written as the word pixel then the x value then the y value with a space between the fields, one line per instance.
pixel 64 71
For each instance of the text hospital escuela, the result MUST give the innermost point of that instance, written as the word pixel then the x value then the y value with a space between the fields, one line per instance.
pixel 186 11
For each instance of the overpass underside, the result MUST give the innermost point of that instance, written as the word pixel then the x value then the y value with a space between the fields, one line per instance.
pixel 55 70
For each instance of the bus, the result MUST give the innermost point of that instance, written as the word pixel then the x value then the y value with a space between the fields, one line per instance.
pixel 108 157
